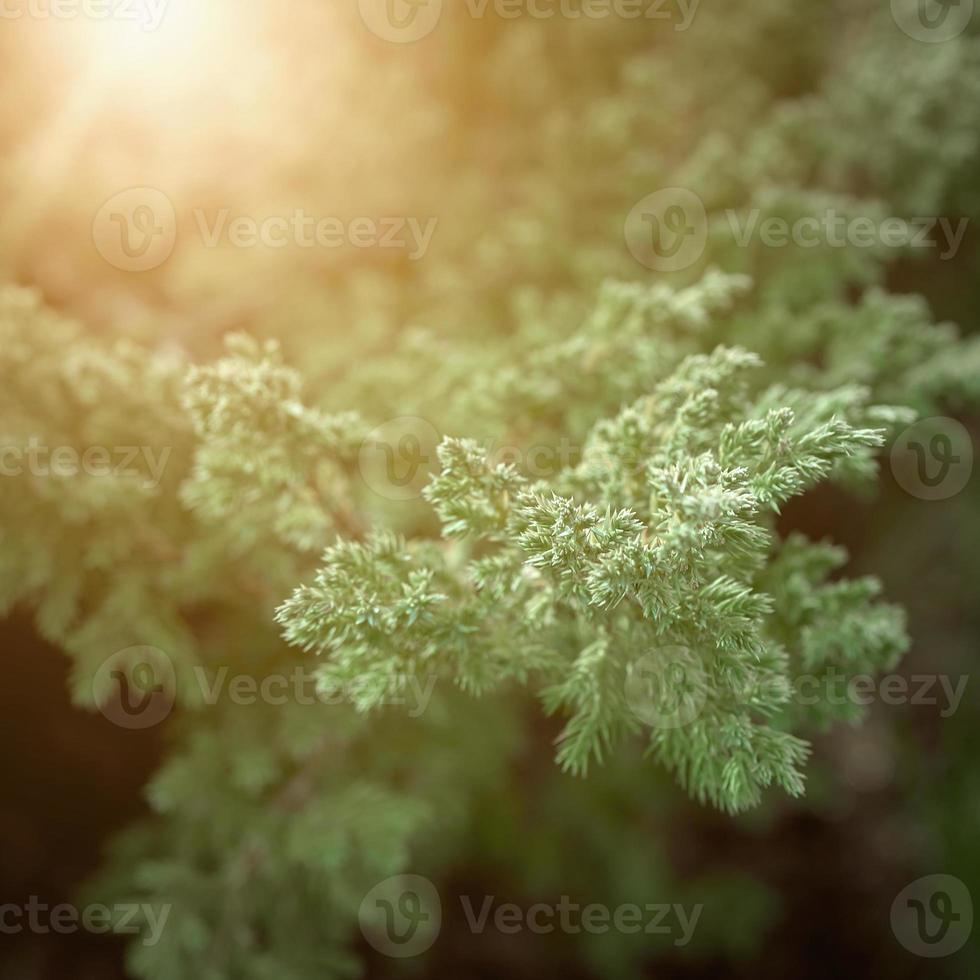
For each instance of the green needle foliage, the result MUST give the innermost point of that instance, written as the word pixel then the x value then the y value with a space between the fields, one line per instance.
pixel 657 538
pixel 605 461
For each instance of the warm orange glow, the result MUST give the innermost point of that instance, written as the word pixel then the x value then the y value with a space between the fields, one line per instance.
pixel 168 50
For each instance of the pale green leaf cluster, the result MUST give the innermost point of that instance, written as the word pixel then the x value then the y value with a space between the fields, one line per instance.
pixel 655 540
